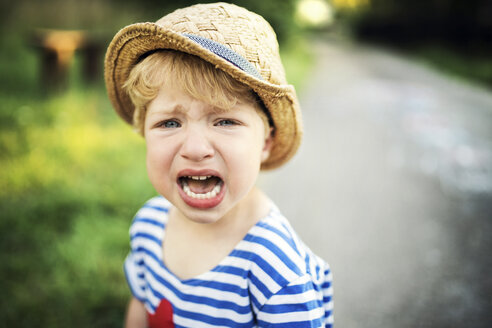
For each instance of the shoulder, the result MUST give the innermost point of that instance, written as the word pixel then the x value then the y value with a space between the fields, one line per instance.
pixel 155 209
pixel 150 219
pixel 153 206
pixel 278 257
pixel 289 281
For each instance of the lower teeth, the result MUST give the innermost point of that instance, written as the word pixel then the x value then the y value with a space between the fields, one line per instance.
pixel 208 195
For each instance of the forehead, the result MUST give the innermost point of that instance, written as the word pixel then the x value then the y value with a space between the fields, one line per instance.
pixel 219 93
pixel 174 99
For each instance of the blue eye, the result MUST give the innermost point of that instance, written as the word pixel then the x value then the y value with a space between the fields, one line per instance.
pixel 170 124
pixel 226 122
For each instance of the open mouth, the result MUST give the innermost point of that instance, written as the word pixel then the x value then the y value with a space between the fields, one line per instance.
pixel 201 186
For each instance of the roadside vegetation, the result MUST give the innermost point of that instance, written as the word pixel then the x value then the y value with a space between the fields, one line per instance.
pixel 72 175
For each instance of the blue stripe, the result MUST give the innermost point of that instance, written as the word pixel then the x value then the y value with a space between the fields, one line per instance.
pixel 157 208
pixel 219 304
pixel 263 264
pixel 288 239
pixel 306 263
pixel 148 220
pixel 296 289
pixel 149 253
pixel 317 287
pixel 133 289
pixel 260 286
pixel 232 270
pixel 144 235
pixel 289 308
pixel 318 271
pixel 276 250
pixel 255 301
pixel 326 284
pixel 221 286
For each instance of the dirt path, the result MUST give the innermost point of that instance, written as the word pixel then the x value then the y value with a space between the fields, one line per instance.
pixel 393 186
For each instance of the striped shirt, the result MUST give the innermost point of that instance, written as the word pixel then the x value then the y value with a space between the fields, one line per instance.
pixel 270 279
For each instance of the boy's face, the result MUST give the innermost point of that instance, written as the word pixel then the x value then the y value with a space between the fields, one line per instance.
pixel 203 160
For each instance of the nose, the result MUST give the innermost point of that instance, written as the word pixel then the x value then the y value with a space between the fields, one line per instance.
pixel 196 145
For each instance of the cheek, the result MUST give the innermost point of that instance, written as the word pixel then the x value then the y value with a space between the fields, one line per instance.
pixel 152 165
pixel 245 159
pixel 157 161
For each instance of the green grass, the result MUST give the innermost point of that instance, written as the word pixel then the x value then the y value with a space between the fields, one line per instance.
pixel 72 175
pixel 298 60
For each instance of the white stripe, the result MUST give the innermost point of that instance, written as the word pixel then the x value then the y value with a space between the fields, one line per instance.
pixel 329 277
pixel 328 291
pixel 185 322
pixel 280 243
pixel 272 259
pixel 197 307
pixel 197 291
pixel 151 213
pixel 145 227
pixel 158 201
pixel 278 222
pixel 148 244
pixel 153 299
pixel 309 295
pixel 230 279
pixel 133 279
pixel 265 279
pixel 257 294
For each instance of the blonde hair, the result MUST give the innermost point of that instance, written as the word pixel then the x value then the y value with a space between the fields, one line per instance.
pixel 197 77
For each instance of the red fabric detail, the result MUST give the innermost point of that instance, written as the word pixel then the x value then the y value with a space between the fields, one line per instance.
pixel 163 316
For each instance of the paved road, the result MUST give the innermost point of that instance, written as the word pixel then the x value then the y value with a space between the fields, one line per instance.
pixel 393 186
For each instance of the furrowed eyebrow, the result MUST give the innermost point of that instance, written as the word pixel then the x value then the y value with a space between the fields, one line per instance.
pixel 176 109
pixel 220 110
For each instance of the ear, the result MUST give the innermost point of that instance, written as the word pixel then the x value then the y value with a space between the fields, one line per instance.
pixel 267 147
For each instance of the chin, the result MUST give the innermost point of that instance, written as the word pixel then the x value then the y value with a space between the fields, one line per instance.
pixel 201 216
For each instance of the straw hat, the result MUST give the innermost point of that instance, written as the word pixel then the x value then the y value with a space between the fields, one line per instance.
pixel 233 39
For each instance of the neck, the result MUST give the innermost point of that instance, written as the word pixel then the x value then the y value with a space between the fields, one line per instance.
pixel 254 207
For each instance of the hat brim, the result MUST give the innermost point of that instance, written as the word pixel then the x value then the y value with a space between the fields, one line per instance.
pixel 130 43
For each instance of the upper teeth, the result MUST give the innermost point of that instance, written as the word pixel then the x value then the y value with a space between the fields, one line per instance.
pixel 199 177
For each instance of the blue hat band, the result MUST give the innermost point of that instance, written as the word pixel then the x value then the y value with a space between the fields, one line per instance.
pixel 230 55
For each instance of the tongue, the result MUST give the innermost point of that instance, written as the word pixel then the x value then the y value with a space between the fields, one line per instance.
pixel 202 186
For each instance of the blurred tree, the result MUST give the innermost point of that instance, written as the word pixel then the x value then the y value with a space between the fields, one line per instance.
pixel 279 13
pixel 6 8
pixel 452 22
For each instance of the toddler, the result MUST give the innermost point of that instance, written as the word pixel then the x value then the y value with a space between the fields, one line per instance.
pixel 205 87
